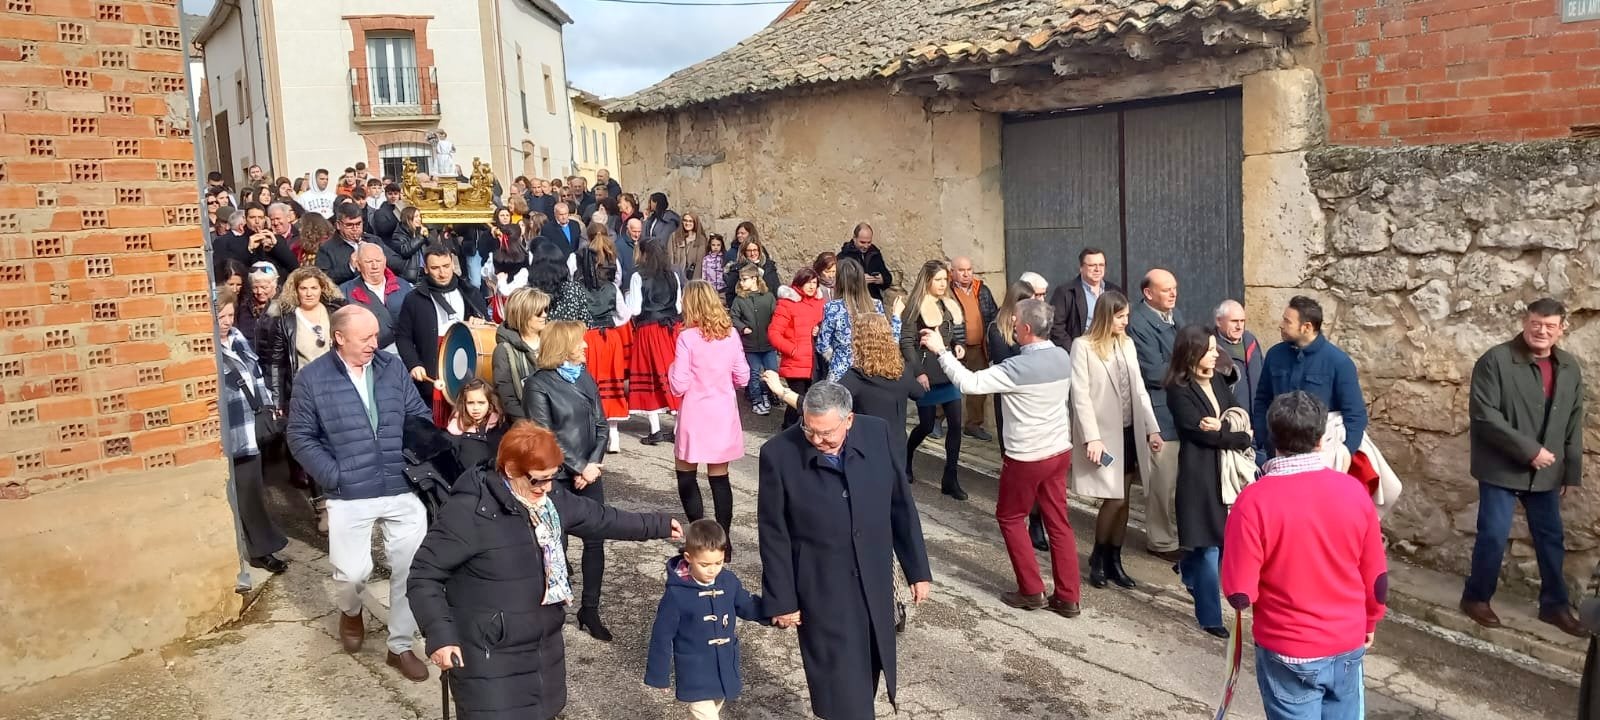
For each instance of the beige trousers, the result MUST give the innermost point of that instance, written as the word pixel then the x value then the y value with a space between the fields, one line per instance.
pixel 1160 497
pixel 705 709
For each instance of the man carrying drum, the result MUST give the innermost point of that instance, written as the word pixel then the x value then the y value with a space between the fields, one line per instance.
pixel 439 301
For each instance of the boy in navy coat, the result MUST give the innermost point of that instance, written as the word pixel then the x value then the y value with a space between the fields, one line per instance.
pixel 695 624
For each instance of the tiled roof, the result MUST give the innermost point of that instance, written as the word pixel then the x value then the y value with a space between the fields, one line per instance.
pixel 842 41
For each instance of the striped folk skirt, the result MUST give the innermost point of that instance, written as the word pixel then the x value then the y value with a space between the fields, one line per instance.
pixel 654 345
pixel 607 359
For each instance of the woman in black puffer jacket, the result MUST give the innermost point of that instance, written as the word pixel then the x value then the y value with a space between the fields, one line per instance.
pixel 490 595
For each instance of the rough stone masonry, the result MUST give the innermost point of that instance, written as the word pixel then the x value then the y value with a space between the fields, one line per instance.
pixel 1430 255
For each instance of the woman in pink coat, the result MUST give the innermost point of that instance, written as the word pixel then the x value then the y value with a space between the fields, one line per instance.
pixel 706 370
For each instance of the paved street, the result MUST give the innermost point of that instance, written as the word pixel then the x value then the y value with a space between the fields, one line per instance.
pixel 964 656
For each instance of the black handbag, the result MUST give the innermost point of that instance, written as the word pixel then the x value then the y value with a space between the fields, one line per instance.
pixel 269 426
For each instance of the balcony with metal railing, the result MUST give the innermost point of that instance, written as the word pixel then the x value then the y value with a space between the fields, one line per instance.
pixel 389 94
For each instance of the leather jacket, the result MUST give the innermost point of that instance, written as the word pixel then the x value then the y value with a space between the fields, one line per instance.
pixel 281 361
pixel 572 411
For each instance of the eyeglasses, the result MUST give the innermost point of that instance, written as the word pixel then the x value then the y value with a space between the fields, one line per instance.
pixel 321 342
pixel 814 433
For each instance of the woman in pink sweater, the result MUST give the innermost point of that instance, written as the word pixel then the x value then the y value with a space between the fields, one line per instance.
pixel 706 369
pixel 1305 551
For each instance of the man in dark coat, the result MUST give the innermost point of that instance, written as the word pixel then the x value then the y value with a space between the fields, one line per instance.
pixel 563 229
pixel 1153 324
pixel 386 217
pixel 833 502
pixel 1074 300
pixel 441 296
pixel 861 249
pixel 346 426
pixel 1527 445
pixel 334 256
pixel 1241 346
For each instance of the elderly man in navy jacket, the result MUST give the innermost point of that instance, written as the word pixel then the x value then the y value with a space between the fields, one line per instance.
pixel 833 502
pixel 346 426
pixel 1305 360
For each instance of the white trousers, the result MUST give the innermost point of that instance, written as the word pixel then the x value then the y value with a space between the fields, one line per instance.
pixel 404 523
pixel 705 709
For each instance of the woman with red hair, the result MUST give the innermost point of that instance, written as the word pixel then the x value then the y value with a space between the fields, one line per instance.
pixel 491 596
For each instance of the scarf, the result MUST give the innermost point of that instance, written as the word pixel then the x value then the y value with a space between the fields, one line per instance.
pixel 452 286
pixel 547 529
pixel 569 372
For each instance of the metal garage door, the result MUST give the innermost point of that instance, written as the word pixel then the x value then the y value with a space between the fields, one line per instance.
pixel 1153 184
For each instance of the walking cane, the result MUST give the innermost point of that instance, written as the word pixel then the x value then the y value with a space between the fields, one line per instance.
pixel 444 686
pixel 1589 686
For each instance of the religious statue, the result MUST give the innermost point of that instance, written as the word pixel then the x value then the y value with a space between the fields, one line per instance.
pixel 447 200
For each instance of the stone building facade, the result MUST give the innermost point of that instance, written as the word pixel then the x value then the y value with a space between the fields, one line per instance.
pixel 115 531
pixel 1423 254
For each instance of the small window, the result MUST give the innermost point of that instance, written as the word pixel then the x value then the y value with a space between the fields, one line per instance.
pixel 393 156
pixel 584 133
pixel 522 89
pixel 393 79
pixel 549 89
pixel 605 149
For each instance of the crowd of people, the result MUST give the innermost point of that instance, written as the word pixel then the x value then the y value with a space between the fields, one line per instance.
pixel 607 310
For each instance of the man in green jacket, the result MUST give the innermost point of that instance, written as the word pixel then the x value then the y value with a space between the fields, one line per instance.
pixel 1527 444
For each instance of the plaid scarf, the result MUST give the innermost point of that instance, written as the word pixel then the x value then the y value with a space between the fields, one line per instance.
pixel 1294 464
pixel 239 420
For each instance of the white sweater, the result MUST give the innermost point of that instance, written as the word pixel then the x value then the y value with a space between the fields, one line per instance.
pixel 1033 387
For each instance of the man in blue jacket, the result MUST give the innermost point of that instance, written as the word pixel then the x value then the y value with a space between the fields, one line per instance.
pixel 346 427
pixel 1305 360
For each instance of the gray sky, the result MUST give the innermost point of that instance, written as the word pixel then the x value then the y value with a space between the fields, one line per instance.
pixel 614 49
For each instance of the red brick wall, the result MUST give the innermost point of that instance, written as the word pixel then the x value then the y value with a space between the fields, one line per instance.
pixel 1444 71
pixel 106 359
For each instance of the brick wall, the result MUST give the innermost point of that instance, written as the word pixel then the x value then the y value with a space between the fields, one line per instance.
pixel 106 358
pixel 1445 71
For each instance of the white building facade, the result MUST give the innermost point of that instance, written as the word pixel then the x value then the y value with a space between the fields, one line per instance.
pixel 323 84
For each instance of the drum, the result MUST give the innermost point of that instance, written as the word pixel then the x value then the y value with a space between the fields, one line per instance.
pixel 458 359
pixel 484 338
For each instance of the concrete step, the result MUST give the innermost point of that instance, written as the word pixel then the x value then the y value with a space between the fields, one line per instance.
pixel 1424 599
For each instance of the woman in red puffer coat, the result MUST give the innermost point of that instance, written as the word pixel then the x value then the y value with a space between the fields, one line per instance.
pixel 793 333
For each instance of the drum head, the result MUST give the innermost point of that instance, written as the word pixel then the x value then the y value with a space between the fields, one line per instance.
pixel 458 358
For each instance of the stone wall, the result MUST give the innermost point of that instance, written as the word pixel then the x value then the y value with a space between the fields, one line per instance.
pixel 806 168
pixel 1431 254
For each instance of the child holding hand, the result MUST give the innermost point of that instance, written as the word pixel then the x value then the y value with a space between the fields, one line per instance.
pixel 696 623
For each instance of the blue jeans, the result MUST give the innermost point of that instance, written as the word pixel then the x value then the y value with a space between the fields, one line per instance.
pixel 759 361
pixel 474 270
pixel 1327 689
pixel 1495 507
pixel 1200 576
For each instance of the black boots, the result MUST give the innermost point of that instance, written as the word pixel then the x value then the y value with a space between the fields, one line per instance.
pixel 589 621
pixel 722 508
pixel 952 487
pixel 1105 563
pixel 1036 531
pixel 689 494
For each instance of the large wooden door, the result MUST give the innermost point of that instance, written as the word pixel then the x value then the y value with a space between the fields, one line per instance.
pixel 1151 184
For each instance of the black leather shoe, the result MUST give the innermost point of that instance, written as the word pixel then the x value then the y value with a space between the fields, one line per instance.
pixel 589 621
pixel 1097 566
pixel 1218 631
pixel 1113 563
pixel 270 563
pixel 654 438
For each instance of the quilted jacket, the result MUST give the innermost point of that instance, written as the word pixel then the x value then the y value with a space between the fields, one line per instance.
pixel 330 435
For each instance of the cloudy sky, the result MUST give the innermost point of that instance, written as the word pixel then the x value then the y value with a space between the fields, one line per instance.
pixel 616 48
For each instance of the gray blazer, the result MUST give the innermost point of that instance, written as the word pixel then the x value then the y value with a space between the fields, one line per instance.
pixel 1153 341
pixel 1510 422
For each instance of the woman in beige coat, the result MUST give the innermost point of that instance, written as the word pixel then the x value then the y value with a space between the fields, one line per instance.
pixel 1108 393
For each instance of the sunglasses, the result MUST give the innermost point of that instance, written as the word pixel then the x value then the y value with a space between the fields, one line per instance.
pixel 321 342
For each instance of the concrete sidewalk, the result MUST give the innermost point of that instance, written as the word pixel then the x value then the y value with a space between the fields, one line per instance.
pixel 1423 599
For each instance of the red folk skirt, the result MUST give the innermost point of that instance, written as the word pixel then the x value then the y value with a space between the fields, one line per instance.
pixel 607 360
pixel 654 346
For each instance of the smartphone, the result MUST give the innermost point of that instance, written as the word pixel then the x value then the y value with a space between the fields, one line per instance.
pixel 1105 459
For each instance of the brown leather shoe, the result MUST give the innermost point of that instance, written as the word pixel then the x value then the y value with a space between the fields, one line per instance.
pixel 1480 613
pixel 1064 608
pixel 1564 620
pixel 352 631
pixel 1024 602
pixel 409 665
